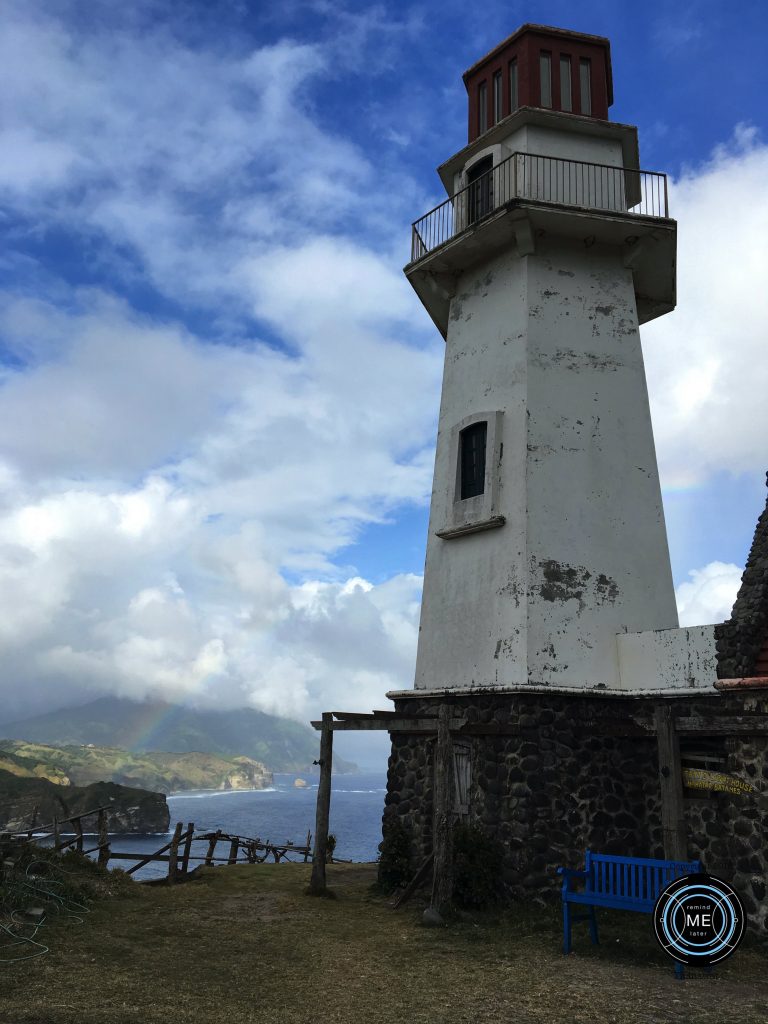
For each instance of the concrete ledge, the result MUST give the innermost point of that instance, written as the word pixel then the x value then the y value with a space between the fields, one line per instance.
pixel 571 691
pixel 460 531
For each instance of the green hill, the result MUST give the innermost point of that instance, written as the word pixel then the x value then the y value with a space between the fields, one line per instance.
pixel 279 743
pixel 26 768
pixel 160 771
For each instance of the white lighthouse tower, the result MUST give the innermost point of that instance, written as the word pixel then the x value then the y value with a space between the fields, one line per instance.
pixel 547 543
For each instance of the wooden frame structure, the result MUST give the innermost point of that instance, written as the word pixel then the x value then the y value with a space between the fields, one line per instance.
pixel 445 724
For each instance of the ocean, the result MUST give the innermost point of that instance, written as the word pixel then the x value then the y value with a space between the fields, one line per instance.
pixel 281 813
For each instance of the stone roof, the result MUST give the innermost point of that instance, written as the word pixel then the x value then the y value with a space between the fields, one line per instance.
pixel 740 639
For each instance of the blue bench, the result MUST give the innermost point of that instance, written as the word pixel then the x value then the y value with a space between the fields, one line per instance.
pixel 623 883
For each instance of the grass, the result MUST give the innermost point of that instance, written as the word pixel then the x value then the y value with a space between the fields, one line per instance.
pixel 244 944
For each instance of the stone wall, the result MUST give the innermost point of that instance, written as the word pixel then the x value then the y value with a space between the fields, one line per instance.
pixel 568 779
pixel 740 638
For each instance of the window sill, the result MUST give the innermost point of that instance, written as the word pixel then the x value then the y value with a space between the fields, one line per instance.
pixel 476 527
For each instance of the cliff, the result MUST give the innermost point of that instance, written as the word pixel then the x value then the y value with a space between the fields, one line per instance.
pixel 163 771
pixel 26 802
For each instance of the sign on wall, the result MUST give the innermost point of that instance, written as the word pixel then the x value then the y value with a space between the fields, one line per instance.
pixel 702 778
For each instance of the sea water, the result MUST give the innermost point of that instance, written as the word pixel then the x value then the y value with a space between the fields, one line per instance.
pixel 281 813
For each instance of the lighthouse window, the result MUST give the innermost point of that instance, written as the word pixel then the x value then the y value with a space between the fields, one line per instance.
pixel 472 441
pixel 565 84
pixel 545 72
pixel 482 107
pixel 585 81
pixel 514 102
pixel 498 93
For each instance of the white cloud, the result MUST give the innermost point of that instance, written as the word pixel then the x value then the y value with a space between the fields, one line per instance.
pixel 177 488
pixel 709 594
pixel 114 136
pixel 706 365
pixel 250 464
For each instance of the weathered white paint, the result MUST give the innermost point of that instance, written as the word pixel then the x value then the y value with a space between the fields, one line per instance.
pixel 667 659
pixel 550 341
pixel 550 133
pixel 559 575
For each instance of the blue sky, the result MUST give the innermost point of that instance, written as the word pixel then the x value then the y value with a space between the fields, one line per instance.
pixel 218 395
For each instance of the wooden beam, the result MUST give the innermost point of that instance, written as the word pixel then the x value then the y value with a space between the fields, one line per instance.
pixel 233 848
pixel 317 884
pixel 78 827
pixel 737 725
pixel 674 832
pixel 103 839
pixel 173 854
pixel 144 859
pixel 362 723
pixel 397 721
pixel 442 845
pixel 414 883
pixel 187 848
pixel 211 847
pixel 404 714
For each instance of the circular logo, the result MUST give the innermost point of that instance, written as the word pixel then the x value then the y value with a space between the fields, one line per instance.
pixel 698 919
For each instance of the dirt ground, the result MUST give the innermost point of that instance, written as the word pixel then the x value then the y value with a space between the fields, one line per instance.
pixel 244 944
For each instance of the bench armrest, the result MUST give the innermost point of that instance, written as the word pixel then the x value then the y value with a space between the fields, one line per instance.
pixel 569 875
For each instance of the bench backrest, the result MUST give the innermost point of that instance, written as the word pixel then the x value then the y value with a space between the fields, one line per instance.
pixel 635 878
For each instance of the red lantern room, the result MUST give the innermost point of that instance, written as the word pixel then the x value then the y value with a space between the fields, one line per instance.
pixel 539 66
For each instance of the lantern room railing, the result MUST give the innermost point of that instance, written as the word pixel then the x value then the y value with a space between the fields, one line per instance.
pixel 542 179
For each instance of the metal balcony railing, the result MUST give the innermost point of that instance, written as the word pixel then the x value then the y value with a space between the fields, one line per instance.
pixel 541 179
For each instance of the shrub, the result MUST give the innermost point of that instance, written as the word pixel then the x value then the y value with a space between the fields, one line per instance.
pixel 477 866
pixel 394 855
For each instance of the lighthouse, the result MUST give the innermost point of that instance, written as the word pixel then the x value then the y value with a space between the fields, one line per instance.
pixel 546 530
pixel 557 705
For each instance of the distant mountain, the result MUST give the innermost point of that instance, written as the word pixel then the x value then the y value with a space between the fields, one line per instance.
pixel 279 743
pixel 155 770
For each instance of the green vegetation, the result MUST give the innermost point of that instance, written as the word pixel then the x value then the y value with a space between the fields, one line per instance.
pixel 60 883
pixel 477 864
pixel 394 855
pixel 279 743
pixel 159 771
pixel 242 944
pixel 24 768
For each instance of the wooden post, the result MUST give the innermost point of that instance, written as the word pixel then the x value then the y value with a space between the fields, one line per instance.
pixel 307 845
pixel 674 832
pixel 233 851
pixel 442 842
pixel 103 838
pixel 144 860
pixel 187 847
pixel 317 884
pixel 173 854
pixel 211 848
pixel 77 825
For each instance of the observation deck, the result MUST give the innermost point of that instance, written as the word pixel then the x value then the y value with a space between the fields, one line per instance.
pixel 528 196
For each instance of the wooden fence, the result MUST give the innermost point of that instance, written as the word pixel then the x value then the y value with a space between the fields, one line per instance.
pixel 178 854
